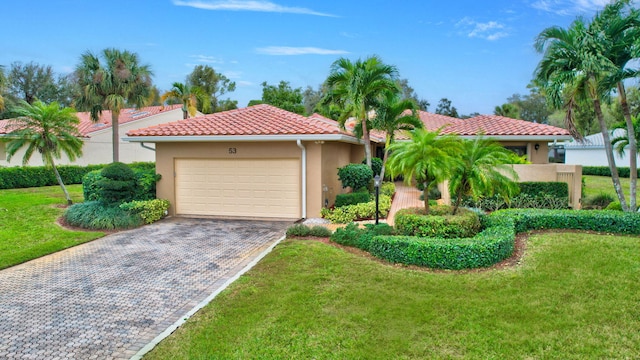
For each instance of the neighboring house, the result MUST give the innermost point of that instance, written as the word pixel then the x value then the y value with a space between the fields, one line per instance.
pixel 265 162
pixel 590 152
pixel 97 148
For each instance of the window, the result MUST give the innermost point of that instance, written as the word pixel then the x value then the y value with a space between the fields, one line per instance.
pixel 519 150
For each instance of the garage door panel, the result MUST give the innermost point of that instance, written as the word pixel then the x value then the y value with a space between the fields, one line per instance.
pixel 245 187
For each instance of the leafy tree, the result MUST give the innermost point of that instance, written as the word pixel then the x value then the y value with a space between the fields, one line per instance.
pixel 531 107
pixel 3 84
pixel 428 157
pixel 445 108
pixel 48 129
pixel 392 114
pixel 118 82
pixel 507 110
pixel 312 98
pixel 573 69
pixel 31 82
pixel 155 98
pixel 409 93
pixel 283 96
pixel 67 90
pixel 189 96
pixel 355 86
pixel 214 85
pixel 482 169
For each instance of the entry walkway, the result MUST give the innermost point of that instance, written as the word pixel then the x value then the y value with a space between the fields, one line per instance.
pixel 109 298
pixel 406 197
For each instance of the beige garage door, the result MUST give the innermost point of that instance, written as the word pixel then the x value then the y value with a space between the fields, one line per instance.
pixel 243 187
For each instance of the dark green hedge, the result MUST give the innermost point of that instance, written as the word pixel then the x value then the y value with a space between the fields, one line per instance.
pixel 439 223
pixel 352 235
pixel 557 189
pixel 605 171
pixel 37 176
pixel 352 198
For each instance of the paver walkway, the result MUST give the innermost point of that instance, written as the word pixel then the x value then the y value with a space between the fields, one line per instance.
pixel 108 298
pixel 406 197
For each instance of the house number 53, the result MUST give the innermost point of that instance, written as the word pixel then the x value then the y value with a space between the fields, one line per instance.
pixel 232 150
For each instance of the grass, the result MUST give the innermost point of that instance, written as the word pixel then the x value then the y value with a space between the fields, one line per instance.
pixel 596 185
pixel 28 227
pixel 574 296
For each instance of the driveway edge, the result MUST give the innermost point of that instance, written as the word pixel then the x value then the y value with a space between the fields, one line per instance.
pixel 204 302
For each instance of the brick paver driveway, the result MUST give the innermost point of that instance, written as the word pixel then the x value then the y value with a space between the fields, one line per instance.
pixel 109 298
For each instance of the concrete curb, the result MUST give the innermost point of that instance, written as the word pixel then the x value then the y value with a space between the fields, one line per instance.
pixel 204 302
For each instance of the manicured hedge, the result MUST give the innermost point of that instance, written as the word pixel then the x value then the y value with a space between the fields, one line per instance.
pixel 605 171
pixel 439 223
pixel 36 176
pixel 353 235
pixel 496 242
pixel 349 213
pixel 352 198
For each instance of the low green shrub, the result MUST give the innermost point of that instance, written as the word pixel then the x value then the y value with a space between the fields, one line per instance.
pixel 376 165
pixel 362 211
pixel 301 230
pixel 149 210
pixel 352 235
pixel 36 176
pixel 534 195
pixel 599 201
pixel 557 189
pixel 90 185
pixel 352 198
pixel 614 205
pixel 355 176
pixel 145 175
pixel 388 188
pixel 96 215
pixel 623 172
pixel 439 223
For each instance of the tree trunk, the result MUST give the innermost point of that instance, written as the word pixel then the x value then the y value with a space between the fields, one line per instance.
pixel 385 157
pixel 425 193
pixel 633 148
pixel 367 141
pixel 59 178
pixel 458 201
pixel 615 178
pixel 115 132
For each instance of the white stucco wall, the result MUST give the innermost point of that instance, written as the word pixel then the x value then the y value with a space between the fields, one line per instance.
pixel 98 150
pixel 593 157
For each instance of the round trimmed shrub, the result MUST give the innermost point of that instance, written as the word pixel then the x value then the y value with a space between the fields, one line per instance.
pixel 439 223
pixel 118 184
pixel 355 176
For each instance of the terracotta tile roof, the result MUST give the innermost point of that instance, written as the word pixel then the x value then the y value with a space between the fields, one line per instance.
pixel 260 119
pixel 432 122
pixel 494 125
pixel 86 126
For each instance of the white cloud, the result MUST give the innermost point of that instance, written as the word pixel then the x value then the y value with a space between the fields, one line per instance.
pixel 207 59
pixel 247 5
pixel 491 30
pixel 569 7
pixel 233 74
pixel 286 50
pixel 244 83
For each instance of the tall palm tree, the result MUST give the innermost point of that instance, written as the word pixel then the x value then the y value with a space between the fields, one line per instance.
pixel 482 168
pixel 189 96
pixel 618 28
pixel 573 69
pixel 427 158
pixel 118 82
pixel 394 113
pixel 47 129
pixel 355 86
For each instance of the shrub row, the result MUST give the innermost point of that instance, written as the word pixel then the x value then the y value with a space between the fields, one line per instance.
pixel 534 188
pixel 349 213
pixel 36 176
pixel 352 198
pixel 537 195
pixel 494 244
pixel 439 223
pixel 97 215
pixel 352 235
pixel 623 172
pixel 149 210
pixel 301 230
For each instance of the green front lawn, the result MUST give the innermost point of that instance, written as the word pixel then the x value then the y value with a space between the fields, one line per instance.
pixel 574 296
pixel 28 226
pixel 595 185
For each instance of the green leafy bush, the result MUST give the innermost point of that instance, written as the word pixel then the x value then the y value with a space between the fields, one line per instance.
pixel 439 223
pixel 599 201
pixel 536 195
pixel 149 210
pixel 96 215
pixel 362 211
pixel 301 230
pixel 37 176
pixel 623 172
pixel 554 188
pixel 614 205
pixel 376 165
pixel 388 188
pixel 352 198
pixel 118 184
pixel 90 185
pixel 355 176
pixel 146 179
pixel 352 235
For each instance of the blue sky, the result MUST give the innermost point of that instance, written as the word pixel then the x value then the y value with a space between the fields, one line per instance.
pixel 475 53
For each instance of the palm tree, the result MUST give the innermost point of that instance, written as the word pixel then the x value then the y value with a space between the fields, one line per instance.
pixel 618 28
pixel 620 143
pixel 394 113
pixel 427 157
pixel 507 110
pixel 355 87
pixel 482 168
pixel 48 129
pixel 189 96
pixel 118 82
pixel 573 69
